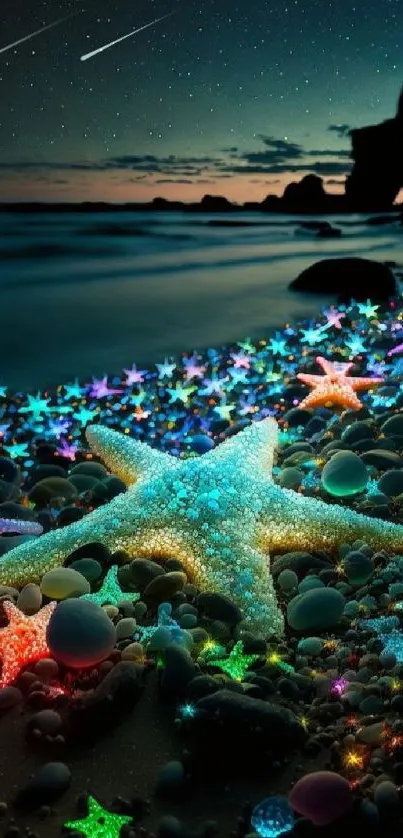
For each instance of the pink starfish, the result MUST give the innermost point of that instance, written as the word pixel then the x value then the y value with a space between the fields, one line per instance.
pixel 334 387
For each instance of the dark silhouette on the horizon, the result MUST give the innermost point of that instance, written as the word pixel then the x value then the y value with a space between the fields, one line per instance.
pixel 377 174
pixel 372 185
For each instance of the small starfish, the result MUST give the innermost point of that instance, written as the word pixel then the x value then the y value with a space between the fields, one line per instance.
pixel 110 592
pixel 99 823
pixel 237 663
pixel 396 350
pixel 219 514
pixel 23 640
pixel 334 387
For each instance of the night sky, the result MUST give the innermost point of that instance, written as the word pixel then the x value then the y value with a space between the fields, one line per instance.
pixel 231 98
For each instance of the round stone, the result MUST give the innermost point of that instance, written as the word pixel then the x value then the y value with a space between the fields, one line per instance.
pixel 63 582
pixel 358 568
pixel 322 796
pixel 288 580
pixel 391 483
pixel 30 598
pixel 317 609
pixel 80 634
pixel 344 474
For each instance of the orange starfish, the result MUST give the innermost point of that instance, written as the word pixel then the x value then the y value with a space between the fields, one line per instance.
pixel 23 640
pixel 334 387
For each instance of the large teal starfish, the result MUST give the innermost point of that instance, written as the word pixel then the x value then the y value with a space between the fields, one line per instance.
pixel 219 514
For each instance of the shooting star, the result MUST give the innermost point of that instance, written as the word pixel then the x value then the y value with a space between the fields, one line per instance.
pixel 37 32
pixel 118 40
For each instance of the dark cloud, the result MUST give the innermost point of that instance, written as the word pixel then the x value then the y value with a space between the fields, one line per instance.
pixel 277 157
pixel 342 130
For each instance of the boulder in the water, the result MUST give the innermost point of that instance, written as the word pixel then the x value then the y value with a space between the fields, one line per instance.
pixel 347 277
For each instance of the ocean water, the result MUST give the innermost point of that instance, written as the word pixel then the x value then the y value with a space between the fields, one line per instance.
pixel 88 294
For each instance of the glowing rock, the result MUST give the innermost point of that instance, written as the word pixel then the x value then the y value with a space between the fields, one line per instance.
pixel 322 796
pixel 344 474
pixel 272 817
pixel 80 634
pixel 320 608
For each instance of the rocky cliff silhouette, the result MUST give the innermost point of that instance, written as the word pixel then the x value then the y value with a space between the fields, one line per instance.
pixel 377 174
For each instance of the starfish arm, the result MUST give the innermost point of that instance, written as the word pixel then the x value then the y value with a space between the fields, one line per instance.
pixel 254 448
pixel 292 521
pixel 364 383
pixel 322 397
pixel 128 458
pixel 29 561
pixel 311 380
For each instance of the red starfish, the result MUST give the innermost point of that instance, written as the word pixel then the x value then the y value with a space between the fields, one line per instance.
pixel 23 640
pixel 334 387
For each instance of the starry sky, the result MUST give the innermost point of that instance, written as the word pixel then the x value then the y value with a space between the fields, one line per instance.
pixel 230 97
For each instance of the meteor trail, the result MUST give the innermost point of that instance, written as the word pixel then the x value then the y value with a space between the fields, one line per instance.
pixel 37 32
pixel 118 40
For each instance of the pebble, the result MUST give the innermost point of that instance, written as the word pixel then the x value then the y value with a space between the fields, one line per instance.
pixel 47 785
pixel 322 796
pixel 30 598
pixel 317 609
pixel 219 607
pixel 80 634
pixel 63 582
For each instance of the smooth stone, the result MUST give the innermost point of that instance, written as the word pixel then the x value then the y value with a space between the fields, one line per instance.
pixel 288 580
pixel 30 599
pixel 311 645
pixel 9 697
pixel 386 797
pixel 91 469
pixel 202 685
pixel 290 477
pixel 133 652
pixel 114 487
pixel 393 425
pixel 310 583
pixel 219 607
pixel 143 571
pixel 47 669
pixel 344 474
pixel 89 568
pixel 371 734
pixel 201 443
pixel 49 783
pixel 171 781
pixel 317 609
pixel 299 561
pixel 179 669
pixel 279 729
pixel 8 542
pixel 358 568
pixel 391 483
pixel 322 796
pixel 125 628
pixel 52 487
pixel 47 721
pixel 11 509
pixel 357 431
pixel 164 587
pixel 371 705
pixel 382 459
pixel 63 582
pixel 80 634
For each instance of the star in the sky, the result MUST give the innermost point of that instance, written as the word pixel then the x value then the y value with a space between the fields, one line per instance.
pixel 73 391
pixel 237 663
pixel 333 317
pixel 110 591
pixel 278 345
pixel 165 370
pixel 335 387
pixel 22 640
pixel 100 388
pixel 84 415
pixel 367 309
pixel 180 394
pixel 19 449
pixel 37 406
pixel 134 376
pixel 219 514
pixel 99 823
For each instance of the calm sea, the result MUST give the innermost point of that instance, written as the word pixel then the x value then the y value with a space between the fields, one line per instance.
pixel 89 294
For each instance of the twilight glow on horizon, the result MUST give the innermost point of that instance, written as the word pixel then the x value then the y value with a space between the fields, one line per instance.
pixel 236 99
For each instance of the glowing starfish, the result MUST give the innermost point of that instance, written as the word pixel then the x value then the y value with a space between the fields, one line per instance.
pixel 23 640
pixel 110 591
pixel 334 387
pixel 237 664
pixel 99 823
pixel 219 514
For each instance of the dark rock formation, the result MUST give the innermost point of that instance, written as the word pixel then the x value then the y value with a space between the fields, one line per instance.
pixel 349 277
pixel 377 174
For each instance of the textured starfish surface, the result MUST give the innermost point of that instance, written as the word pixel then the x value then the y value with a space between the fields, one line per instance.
pixel 110 592
pixel 220 514
pixel 23 640
pixel 334 387
pixel 99 823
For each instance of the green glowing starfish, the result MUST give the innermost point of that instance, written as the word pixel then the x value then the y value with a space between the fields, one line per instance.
pixel 99 823
pixel 236 664
pixel 219 514
pixel 110 592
